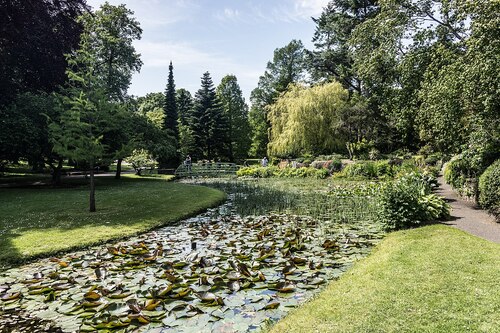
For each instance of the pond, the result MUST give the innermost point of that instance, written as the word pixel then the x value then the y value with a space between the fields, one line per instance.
pixel 217 272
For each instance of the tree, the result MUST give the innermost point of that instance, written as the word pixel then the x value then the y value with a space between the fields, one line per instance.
pixel 187 144
pixel 209 125
pixel 306 120
pixel 99 72
pixel 78 132
pixel 236 114
pixel 171 114
pixel 151 107
pixel 110 33
pixel 332 58
pixel 25 135
pixel 141 159
pixel 35 36
pixel 288 66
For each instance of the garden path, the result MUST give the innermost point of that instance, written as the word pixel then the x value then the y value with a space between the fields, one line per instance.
pixel 465 215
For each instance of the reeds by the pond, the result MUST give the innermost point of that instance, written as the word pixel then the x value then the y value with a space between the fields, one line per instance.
pixel 337 205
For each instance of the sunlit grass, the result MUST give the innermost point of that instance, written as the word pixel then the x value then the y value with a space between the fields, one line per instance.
pixel 42 221
pixel 431 279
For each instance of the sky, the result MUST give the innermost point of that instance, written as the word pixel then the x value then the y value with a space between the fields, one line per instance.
pixel 219 36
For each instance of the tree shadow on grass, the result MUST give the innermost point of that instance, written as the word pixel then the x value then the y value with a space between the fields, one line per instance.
pixel 29 217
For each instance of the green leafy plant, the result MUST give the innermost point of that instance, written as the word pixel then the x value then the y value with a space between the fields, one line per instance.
pixel 489 189
pixel 407 202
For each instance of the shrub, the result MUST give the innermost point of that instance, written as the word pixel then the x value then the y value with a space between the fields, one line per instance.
pixel 331 165
pixel 489 189
pixel 407 202
pixel 369 170
pixel 334 165
pixel 319 164
pixel 374 154
pixel 433 159
pixel 272 171
pixel 461 176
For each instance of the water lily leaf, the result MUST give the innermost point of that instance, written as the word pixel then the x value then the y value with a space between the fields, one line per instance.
pixel 63 264
pixel 165 291
pixel 176 306
pixel 153 314
pixel 233 276
pixel 170 277
pixel 91 296
pixel 118 309
pixel 91 304
pixel 169 321
pixel 330 245
pixel 119 295
pixel 206 297
pixel 111 325
pixel 61 286
pixel 299 261
pixel 51 296
pixel 181 294
pixel 271 305
pixel 317 281
pixel 152 304
pixel 289 270
pixel 234 285
pixel 180 264
pixel 285 287
pixel 45 290
pixel 134 305
pixel 11 296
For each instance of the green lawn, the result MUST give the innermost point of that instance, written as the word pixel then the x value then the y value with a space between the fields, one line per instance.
pixel 431 279
pixel 40 221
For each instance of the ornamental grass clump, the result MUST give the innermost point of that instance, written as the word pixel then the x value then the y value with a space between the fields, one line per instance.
pixel 408 202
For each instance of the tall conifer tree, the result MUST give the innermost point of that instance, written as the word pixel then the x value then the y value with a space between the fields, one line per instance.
pixel 209 124
pixel 171 115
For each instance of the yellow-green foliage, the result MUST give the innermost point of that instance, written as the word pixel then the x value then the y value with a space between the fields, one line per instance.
pixel 305 120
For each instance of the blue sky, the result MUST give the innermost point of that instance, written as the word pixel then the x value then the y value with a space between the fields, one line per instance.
pixel 220 36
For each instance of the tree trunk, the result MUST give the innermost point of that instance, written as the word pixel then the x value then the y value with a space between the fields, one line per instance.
pixel 92 188
pixel 118 168
pixel 56 172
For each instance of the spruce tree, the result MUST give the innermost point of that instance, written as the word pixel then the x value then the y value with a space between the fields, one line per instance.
pixel 208 123
pixel 171 117
pixel 171 104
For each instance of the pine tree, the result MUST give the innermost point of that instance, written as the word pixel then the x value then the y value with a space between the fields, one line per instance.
pixel 208 123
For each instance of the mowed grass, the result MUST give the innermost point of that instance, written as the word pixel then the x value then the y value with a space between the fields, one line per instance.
pixel 430 279
pixel 42 221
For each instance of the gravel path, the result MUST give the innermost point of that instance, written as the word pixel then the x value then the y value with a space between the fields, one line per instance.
pixel 465 215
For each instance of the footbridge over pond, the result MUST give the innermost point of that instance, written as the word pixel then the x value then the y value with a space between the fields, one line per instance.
pixel 207 169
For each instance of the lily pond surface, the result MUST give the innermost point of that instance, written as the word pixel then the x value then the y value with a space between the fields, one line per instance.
pixel 217 272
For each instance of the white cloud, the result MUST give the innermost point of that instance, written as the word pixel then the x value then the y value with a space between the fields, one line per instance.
pixel 153 13
pixel 228 14
pixel 190 62
pixel 159 54
pixel 289 11
pixel 308 8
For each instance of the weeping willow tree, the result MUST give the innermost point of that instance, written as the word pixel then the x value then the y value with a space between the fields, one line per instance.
pixel 306 120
